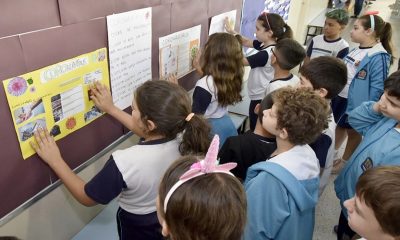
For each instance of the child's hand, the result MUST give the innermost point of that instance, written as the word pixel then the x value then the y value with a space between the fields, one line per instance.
pixel 173 78
pixel 101 97
pixel 46 147
pixel 228 26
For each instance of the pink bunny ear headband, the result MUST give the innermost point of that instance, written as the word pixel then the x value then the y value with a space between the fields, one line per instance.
pixel 205 166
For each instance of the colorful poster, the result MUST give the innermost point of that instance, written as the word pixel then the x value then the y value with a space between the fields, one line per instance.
pixel 280 7
pixel 129 42
pixel 218 22
pixel 56 97
pixel 177 51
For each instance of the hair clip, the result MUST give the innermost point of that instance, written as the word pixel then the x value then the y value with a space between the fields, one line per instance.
pixel 208 165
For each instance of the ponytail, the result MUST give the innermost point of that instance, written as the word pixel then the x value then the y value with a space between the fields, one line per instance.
pixel 287 32
pixel 196 137
pixel 386 40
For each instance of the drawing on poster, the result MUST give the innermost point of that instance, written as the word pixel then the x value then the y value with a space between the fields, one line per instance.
pixel 177 52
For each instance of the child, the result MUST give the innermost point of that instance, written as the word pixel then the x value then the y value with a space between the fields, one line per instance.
pixel 222 69
pixel 367 68
pixel 330 43
pixel 374 211
pixel 378 123
pixel 270 29
pixel 286 55
pixel 283 191
pixel 160 111
pixel 201 200
pixel 327 76
pixel 251 147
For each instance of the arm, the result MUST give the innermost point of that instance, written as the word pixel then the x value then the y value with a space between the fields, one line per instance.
pixel 268 206
pixel 227 154
pixel 47 149
pixel 343 53
pixel 365 116
pixel 101 97
pixel 379 71
pixel 201 100
pixel 321 147
pixel 247 42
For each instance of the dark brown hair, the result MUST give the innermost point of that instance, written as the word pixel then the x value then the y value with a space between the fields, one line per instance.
pixel 265 104
pixel 211 206
pixel 289 53
pixel 167 105
pixel 302 113
pixel 383 31
pixel 379 188
pixel 223 60
pixel 276 24
pixel 392 85
pixel 326 72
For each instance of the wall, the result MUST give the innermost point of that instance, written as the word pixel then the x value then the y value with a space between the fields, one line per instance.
pixel 58 215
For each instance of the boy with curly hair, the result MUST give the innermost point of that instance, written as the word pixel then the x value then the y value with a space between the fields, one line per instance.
pixel 282 192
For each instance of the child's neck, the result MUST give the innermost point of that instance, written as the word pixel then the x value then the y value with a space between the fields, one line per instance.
pixel 333 37
pixel 369 43
pixel 282 145
pixel 259 130
pixel 148 138
pixel 269 42
pixel 280 73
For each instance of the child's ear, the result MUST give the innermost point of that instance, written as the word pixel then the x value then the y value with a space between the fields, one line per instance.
pixel 283 134
pixel 151 125
pixel 257 108
pixel 322 92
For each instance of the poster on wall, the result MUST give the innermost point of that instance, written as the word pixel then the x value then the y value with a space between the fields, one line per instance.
pixel 177 52
pixel 129 42
pixel 56 97
pixel 218 22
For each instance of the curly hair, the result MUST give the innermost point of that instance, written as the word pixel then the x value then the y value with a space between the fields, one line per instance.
pixel 222 59
pixel 302 113
pixel 340 15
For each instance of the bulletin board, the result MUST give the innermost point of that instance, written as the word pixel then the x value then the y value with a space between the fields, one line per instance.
pixel 41 33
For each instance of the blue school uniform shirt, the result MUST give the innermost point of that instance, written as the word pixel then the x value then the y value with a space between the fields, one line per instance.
pixel 282 195
pixel 379 147
pixel 371 72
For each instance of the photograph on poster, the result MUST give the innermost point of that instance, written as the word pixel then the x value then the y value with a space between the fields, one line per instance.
pixel 67 104
pixel 92 114
pixel 25 132
pixel 28 111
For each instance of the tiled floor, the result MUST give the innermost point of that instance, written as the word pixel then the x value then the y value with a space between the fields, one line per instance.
pixel 328 209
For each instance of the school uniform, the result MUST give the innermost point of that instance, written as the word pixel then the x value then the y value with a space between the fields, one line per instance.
pixel 367 68
pixel 133 174
pixel 260 74
pixel 205 101
pixel 246 150
pixel 291 80
pixel 281 196
pixel 324 148
pixel 320 46
pixel 380 147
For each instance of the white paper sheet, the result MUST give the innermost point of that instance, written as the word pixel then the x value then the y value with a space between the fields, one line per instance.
pixel 129 40
pixel 217 22
pixel 177 51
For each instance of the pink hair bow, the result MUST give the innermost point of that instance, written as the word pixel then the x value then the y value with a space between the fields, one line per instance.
pixel 208 165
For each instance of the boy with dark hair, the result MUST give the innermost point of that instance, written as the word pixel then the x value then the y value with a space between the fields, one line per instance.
pixel 286 55
pixel 327 76
pixel 374 211
pixel 282 192
pixel 378 123
pixel 330 43
pixel 251 147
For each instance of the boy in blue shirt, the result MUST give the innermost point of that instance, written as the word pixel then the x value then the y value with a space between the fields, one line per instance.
pixel 378 123
pixel 282 192
pixel 327 76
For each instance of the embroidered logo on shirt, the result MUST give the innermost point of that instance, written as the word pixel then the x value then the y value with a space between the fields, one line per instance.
pixel 362 74
pixel 367 164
